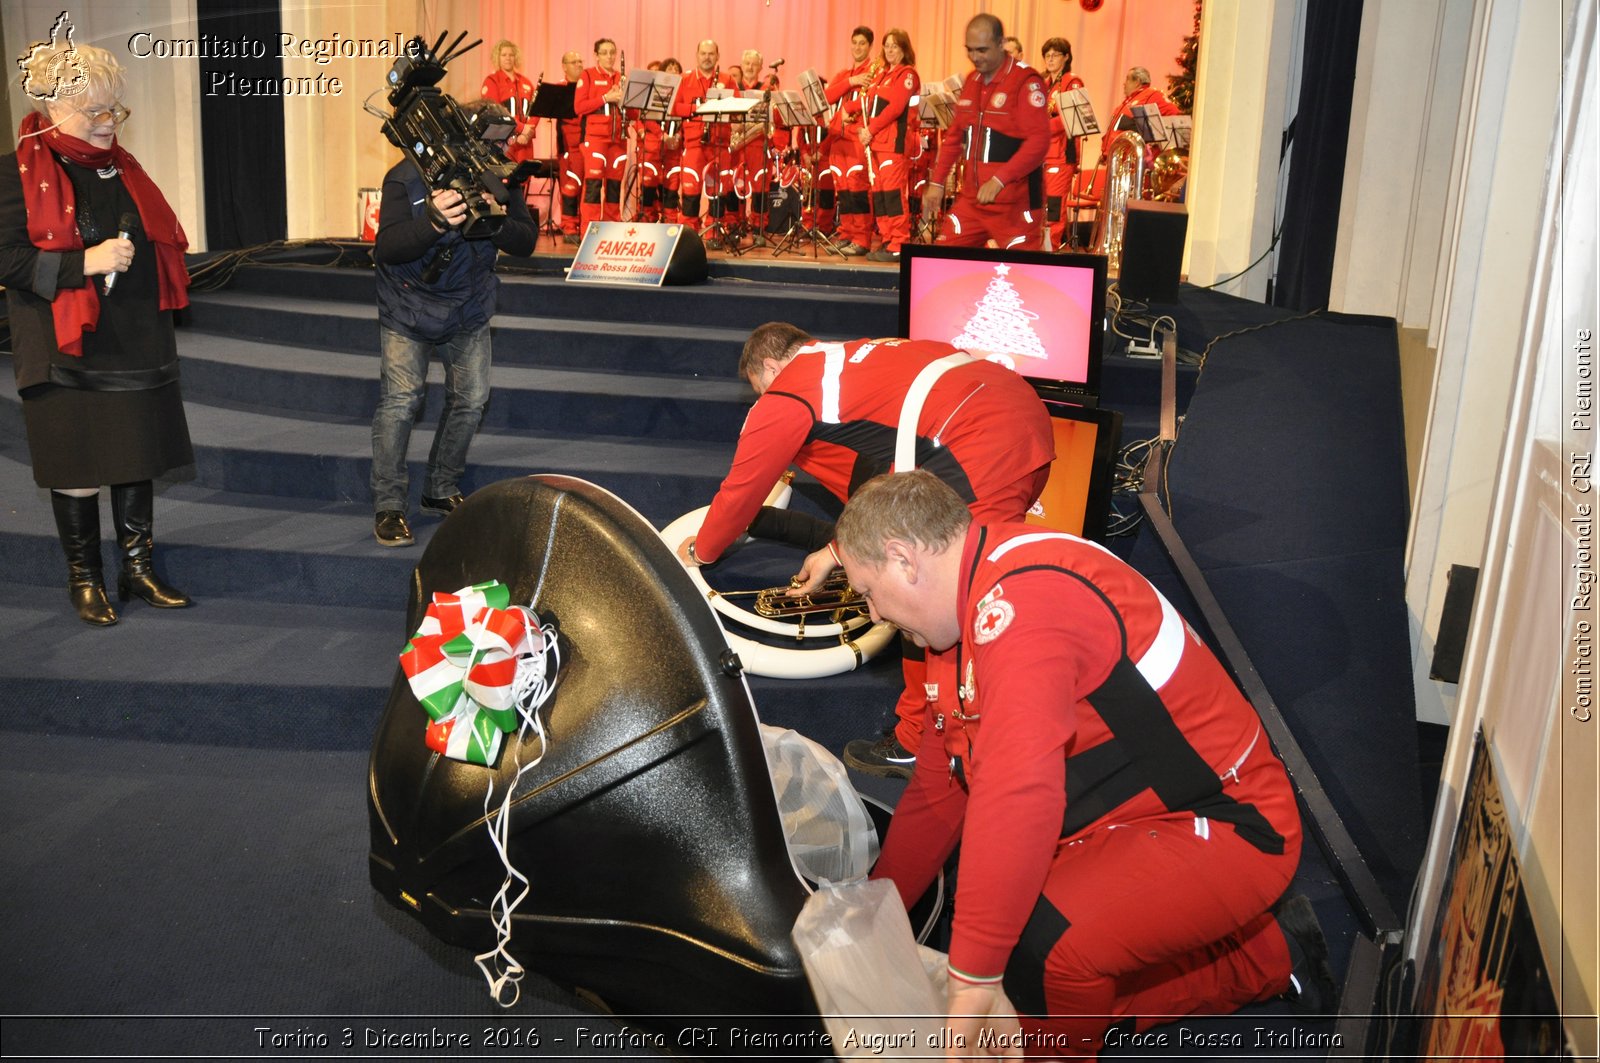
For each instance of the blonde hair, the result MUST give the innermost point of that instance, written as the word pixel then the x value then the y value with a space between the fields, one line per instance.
pixel 68 71
pixel 914 506
pixel 516 53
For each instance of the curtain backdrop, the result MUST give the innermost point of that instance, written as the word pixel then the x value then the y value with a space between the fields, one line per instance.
pixel 335 148
pixel 1316 169
pixel 243 161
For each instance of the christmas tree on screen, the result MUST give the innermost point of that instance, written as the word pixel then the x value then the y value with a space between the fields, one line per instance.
pixel 1000 325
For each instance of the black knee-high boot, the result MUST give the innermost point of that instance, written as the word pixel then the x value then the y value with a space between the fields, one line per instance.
pixel 131 506
pixel 78 525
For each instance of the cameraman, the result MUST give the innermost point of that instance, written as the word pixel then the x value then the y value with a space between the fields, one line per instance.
pixel 436 293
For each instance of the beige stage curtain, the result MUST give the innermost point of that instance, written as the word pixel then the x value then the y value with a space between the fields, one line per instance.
pixel 334 148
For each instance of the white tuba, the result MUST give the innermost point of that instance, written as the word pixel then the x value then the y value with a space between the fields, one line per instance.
pixel 1124 158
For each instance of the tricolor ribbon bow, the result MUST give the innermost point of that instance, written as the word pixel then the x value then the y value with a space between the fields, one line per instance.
pixel 463 665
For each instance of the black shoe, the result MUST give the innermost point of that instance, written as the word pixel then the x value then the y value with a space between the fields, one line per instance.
pixel 1312 990
pixel 442 506
pixel 880 756
pixel 571 238
pixel 132 510
pixel 390 528
pixel 884 255
pixel 78 525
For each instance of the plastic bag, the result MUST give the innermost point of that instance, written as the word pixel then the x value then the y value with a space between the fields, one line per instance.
pixel 830 834
pixel 867 972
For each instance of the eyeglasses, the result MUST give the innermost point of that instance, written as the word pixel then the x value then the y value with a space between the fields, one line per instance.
pixel 116 114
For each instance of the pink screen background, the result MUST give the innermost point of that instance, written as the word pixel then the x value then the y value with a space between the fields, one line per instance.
pixel 945 294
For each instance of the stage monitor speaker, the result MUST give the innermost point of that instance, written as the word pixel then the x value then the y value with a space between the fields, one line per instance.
pixel 1152 251
pixel 688 262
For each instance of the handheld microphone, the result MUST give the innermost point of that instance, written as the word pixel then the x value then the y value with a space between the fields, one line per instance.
pixel 127 225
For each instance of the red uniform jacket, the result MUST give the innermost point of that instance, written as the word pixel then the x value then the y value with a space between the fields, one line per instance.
pixel 589 102
pixel 1001 128
pixel 1076 699
pixel 570 132
pixel 516 92
pixel 1062 149
pixel 889 105
pixel 833 411
pixel 1147 96
pixel 846 99
pixel 692 92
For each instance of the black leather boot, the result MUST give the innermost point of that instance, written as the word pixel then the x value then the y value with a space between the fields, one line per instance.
pixel 78 524
pixel 131 506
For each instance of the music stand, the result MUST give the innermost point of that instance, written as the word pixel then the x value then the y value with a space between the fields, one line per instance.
pixel 795 110
pixel 1077 116
pixel 1149 122
pixel 553 101
pixel 721 106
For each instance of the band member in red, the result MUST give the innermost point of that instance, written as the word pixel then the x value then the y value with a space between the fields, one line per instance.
pixel 1137 90
pixel 846 159
pixel 705 144
pixel 1002 131
pixel 752 163
pixel 653 162
pixel 1061 161
pixel 671 156
pixel 833 410
pixel 569 148
pixel 1125 827
pixel 598 101
pixel 889 133
pixel 506 85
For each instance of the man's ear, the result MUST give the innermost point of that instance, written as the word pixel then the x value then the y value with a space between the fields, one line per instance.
pixel 902 557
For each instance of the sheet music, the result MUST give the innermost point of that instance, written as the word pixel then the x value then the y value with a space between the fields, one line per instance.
pixel 727 106
pixel 1149 122
pixel 650 92
pixel 1180 127
pixel 815 92
pixel 1077 113
pixel 791 107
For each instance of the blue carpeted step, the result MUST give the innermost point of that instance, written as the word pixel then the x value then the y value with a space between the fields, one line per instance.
pixel 811 298
pixel 569 402
pixel 330 458
pixel 571 343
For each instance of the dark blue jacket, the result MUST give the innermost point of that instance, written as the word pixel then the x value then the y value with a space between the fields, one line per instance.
pixel 462 297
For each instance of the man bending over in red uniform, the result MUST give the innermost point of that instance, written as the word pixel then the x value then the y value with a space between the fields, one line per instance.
pixel 833 409
pixel 1125 826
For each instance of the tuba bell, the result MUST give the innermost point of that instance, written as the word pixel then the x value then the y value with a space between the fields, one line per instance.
pixel 1124 183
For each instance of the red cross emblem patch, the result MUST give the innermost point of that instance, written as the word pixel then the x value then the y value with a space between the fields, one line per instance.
pixel 993 620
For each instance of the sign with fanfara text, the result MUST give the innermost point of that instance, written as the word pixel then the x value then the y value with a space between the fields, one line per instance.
pixel 621 252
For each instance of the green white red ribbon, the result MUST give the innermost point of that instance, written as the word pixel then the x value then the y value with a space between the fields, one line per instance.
pixel 462 666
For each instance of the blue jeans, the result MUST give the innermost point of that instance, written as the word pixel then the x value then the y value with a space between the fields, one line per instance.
pixel 403 384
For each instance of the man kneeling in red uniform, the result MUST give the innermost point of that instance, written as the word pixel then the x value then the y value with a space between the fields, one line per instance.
pixel 1125 826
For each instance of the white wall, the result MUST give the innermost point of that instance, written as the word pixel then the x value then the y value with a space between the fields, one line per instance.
pixel 1509 111
pixel 1243 97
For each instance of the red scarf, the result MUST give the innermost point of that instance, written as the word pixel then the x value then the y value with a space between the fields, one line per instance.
pixel 52 225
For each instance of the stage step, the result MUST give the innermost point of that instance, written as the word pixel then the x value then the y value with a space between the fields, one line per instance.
pixel 564 401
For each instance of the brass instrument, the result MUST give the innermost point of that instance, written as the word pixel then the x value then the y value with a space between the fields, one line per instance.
pixel 1168 174
pixel 873 71
pixel 1124 157
pixel 835 599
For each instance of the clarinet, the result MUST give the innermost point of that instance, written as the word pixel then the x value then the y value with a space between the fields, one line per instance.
pixel 622 78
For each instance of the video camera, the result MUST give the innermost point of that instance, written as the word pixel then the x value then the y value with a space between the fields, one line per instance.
pixel 449 147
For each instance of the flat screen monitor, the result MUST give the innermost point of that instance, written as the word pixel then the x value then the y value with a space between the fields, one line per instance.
pixel 1077 496
pixel 1041 314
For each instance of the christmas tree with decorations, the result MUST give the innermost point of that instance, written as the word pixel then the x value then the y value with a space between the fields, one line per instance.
pixel 1000 325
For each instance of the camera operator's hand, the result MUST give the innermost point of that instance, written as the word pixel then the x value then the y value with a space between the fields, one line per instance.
pixel 449 207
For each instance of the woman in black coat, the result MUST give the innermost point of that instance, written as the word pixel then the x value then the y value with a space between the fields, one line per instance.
pixel 91 256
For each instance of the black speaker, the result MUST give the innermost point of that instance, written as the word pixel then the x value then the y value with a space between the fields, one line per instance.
pixel 1152 251
pixel 688 262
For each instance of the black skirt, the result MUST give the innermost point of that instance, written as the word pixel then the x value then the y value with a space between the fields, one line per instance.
pixel 80 438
